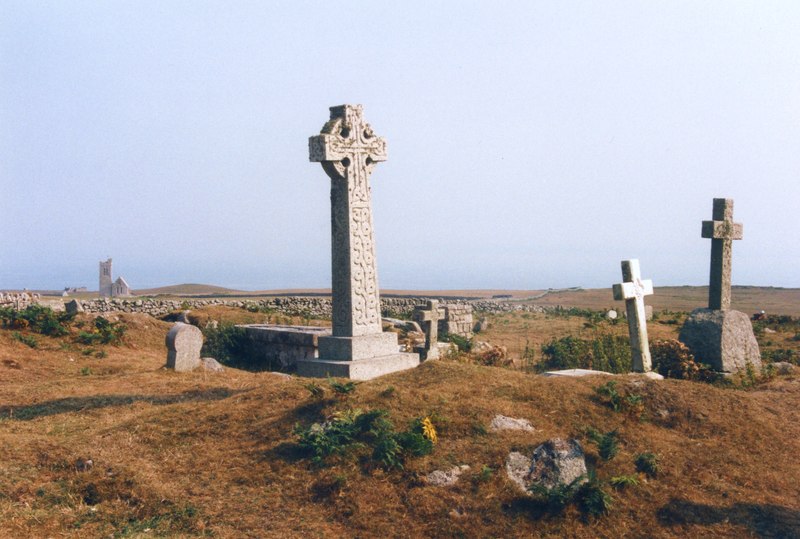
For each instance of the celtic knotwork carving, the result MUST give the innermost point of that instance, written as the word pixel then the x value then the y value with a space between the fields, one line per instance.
pixel 348 150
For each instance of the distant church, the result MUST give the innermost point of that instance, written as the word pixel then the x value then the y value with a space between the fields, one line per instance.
pixel 109 288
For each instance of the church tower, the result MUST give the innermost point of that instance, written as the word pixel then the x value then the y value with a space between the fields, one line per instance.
pixel 105 278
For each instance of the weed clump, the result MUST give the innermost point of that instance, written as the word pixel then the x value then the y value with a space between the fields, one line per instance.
pixel 620 400
pixel 648 464
pixel 104 332
pixel 356 431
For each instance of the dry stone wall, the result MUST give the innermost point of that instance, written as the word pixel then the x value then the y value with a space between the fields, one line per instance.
pixel 314 307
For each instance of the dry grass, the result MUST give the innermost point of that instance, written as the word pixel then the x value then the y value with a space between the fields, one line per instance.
pixel 198 454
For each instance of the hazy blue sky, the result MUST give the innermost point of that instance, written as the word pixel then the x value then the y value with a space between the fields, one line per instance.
pixel 531 144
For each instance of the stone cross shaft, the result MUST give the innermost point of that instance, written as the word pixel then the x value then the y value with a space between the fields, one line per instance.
pixel 348 150
pixel 633 290
pixel 722 231
pixel 429 319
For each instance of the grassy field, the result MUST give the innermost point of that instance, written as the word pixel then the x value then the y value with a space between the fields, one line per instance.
pixel 214 455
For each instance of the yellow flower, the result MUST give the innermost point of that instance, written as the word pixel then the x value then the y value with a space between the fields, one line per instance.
pixel 428 430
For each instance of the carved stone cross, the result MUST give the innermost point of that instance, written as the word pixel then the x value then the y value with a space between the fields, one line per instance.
pixel 722 231
pixel 633 290
pixel 348 151
pixel 429 319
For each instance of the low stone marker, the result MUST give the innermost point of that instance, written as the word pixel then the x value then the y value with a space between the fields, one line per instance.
pixel 184 342
pixel 428 318
pixel 633 290
pixel 719 336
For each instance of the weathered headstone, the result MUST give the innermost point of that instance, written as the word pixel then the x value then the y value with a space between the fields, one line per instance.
pixel 428 318
pixel 184 342
pixel 719 336
pixel 633 290
pixel 348 150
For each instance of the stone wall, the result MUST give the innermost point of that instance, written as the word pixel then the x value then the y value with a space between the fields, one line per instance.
pixel 455 320
pixel 314 307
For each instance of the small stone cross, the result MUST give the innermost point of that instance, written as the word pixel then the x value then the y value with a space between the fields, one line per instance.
pixel 429 319
pixel 348 150
pixel 722 231
pixel 633 290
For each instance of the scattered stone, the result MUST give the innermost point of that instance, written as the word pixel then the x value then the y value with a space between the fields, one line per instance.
pixel 73 307
pixel 633 290
pixel 612 314
pixel 555 462
pixel 769 330
pixel 783 367
pixel 184 342
pixel 576 373
pixel 445 478
pixel 501 422
pixel 183 317
pixel 722 339
pixel 482 325
pixel 210 364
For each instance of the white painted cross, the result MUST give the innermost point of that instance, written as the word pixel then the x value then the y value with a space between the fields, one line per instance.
pixel 633 290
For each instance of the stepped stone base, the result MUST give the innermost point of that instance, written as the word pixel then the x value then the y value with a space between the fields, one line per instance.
pixel 360 358
pixel 722 339
pixel 360 369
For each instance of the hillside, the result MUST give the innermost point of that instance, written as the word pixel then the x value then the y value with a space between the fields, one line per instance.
pixel 214 455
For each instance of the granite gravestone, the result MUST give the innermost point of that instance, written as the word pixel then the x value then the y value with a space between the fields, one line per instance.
pixel 719 336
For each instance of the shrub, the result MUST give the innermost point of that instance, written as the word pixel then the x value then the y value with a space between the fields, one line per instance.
pixel 557 498
pixel 38 318
pixel 673 359
pixel 781 354
pixel 226 343
pixel 462 343
pixel 609 353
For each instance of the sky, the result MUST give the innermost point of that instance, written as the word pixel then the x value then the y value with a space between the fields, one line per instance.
pixel 531 144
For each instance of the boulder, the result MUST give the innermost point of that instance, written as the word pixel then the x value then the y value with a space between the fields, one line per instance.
pixel 73 307
pixel 555 462
pixel 210 364
pixel 722 339
pixel 783 367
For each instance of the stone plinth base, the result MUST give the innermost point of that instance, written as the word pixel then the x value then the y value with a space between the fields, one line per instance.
pixel 360 347
pixel 360 358
pixel 722 339
pixel 361 369
pixel 281 347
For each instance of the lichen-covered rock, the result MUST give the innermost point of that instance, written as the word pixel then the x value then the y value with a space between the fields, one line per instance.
pixel 445 478
pixel 555 462
pixel 501 422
